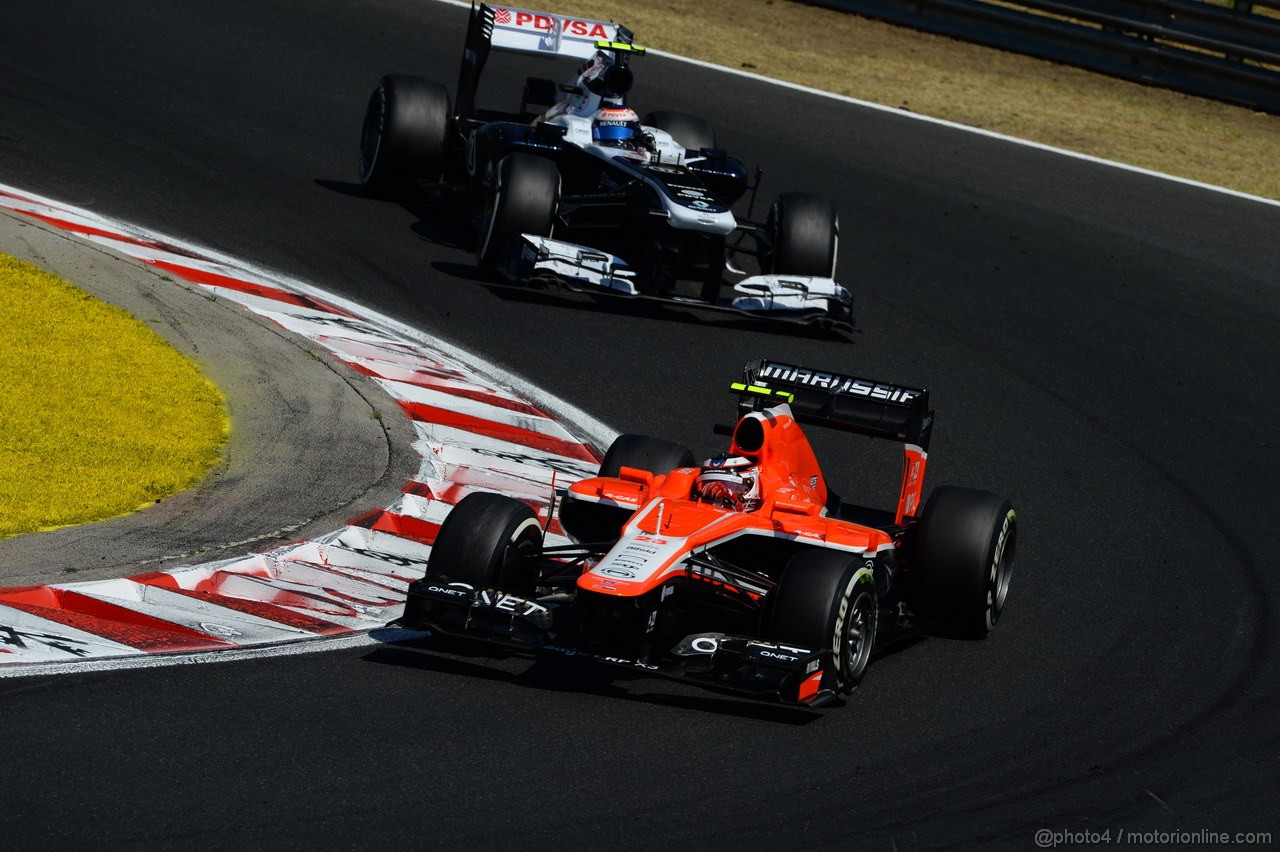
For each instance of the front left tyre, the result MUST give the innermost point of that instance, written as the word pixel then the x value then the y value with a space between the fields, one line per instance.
pixel 524 199
pixel 489 541
pixel 405 135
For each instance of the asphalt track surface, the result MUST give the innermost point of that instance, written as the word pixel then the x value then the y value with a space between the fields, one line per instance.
pixel 1101 347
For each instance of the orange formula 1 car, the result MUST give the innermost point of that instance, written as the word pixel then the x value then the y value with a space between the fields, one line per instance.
pixel 746 573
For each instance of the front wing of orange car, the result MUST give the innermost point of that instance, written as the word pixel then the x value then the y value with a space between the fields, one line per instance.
pixel 739 664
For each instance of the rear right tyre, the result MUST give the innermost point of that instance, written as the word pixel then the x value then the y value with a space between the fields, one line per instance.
pixel 692 131
pixel 405 135
pixel 964 560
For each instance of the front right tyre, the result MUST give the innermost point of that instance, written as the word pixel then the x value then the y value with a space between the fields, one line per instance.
pixel 803 233
pixel 826 600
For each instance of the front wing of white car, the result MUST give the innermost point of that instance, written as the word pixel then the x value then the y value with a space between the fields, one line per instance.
pixel 805 299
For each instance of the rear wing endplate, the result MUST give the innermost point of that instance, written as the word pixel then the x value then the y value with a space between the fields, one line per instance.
pixel 838 401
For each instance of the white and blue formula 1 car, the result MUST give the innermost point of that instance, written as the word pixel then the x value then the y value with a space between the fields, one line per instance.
pixel 575 191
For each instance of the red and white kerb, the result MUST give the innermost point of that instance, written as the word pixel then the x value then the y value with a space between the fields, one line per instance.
pixel 471 435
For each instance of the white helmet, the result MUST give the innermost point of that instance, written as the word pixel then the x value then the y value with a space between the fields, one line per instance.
pixel 732 482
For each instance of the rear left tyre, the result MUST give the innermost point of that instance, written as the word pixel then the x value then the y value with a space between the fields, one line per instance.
pixel 599 522
pixel 488 541
pixel 645 453
pixel 825 600
pixel 405 134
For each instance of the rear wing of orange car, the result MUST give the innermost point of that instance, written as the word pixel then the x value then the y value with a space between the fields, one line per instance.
pixel 852 404
pixel 839 401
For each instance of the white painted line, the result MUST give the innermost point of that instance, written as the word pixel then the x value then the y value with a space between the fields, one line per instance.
pixel 915 116
pixel 151 661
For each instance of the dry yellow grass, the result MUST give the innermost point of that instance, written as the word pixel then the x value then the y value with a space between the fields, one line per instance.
pixel 100 416
pixel 1007 93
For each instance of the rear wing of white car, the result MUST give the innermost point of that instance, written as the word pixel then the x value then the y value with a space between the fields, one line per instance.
pixel 530 32
pixel 545 34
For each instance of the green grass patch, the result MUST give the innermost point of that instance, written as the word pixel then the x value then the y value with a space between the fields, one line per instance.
pixel 100 416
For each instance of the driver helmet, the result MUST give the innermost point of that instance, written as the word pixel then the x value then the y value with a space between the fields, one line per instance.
pixel 616 126
pixel 731 482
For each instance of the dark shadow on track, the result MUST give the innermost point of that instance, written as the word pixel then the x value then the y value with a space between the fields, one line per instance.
pixel 584 677
pixel 344 187
pixel 435 211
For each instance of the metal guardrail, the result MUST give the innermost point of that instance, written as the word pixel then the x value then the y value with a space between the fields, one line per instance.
pixel 1225 53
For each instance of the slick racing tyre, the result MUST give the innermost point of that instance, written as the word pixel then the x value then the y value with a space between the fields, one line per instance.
pixel 826 601
pixel 964 560
pixel 405 137
pixel 691 131
pixel 488 540
pixel 524 199
pixel 640 451
pixel 803 235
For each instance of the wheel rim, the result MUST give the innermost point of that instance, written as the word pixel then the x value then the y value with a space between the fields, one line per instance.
pixel 519 550
pixel 1001 572
pixel 486 250
pixel 1001 590
pixel 513 566
pixel 859 638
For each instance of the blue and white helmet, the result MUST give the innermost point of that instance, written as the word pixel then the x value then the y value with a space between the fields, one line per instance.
pixel 618 126
pixel 732 482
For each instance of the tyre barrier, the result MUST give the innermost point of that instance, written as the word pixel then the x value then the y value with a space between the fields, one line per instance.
pixel 471 434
